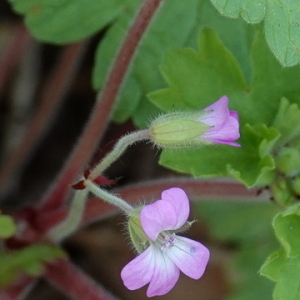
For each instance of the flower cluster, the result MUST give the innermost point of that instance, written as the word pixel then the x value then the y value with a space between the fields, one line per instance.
pixel 167 253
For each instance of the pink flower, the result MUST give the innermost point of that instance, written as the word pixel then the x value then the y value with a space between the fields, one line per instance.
pixel 168 254
pixel 224 123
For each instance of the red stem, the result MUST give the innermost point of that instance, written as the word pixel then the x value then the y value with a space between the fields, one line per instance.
pixel 19 289
pixel 55 91
pixel 12 54
pixel 74 283
pixel 197 190
pixel 96 126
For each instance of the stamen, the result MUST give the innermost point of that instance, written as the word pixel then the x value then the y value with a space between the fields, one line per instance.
pixel 166 241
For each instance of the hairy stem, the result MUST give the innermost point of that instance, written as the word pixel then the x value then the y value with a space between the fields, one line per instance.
pixel 74 283
pixel 118 150
pixel 103 109
pixel 19 289
pixel 71 223
pixel 107 197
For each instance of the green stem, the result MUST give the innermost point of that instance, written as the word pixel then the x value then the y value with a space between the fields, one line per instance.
pixel 110 198
pixel 118 150
pixel 71 223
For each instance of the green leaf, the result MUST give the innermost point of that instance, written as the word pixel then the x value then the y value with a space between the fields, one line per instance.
pixel 246 227
pixel 287 228
pixel 253 11
pixel 288 285
pixel 7 227
pixel 251 163
pixel 273 265
pixel 285 271
pixel 287 121
pixel 270 83
pixel 64 21
pixel 29 260
pixel 281 20
pixel 199 78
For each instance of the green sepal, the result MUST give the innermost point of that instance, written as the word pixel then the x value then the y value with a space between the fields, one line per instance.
pixel 137 235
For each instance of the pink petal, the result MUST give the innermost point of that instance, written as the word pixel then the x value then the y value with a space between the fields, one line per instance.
pixel 165 275
pixel 227 134
pixel 218 114
pixel 189 256
pixel 157 217
pixel 179 200
pixel 139 271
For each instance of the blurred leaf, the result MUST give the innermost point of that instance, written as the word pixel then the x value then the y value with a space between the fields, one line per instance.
pixel 246 226
pixel 7 227
pixel 64 21
pixel 281 20
pixel 29 260
pixel 287 121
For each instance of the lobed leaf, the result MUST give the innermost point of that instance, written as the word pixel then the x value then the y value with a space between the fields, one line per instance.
pixel 281 23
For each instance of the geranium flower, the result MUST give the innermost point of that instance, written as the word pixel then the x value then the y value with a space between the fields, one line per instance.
pixel 168 254
pixel 215 124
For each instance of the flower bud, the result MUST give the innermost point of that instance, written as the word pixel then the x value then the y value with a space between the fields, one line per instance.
pixel 216 124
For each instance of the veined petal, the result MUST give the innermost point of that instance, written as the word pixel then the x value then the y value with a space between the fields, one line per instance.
pixel 189 256
pixel 139 271
pixel 218 114
pixel 157 217
pixel 179 200
pixel 165 274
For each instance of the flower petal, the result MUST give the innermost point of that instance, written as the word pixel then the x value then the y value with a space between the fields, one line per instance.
pixel 157 217
pixel 218 114
pixel 179 200
pixel 139 271
pixel 227 134
pixel 165 275
pixel 189 256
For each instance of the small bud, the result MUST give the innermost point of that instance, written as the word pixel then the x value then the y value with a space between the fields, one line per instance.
pixel 177 130
pixel 216 124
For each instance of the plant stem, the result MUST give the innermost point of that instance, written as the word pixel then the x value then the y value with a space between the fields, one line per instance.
pixel 71 223
pixel 74 283
pixel 117 151
pixel 96 126
pixel 110 198
pixel 54 93
pixel 19 289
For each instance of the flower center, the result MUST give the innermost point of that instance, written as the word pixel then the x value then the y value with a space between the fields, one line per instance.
pixel 166 241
